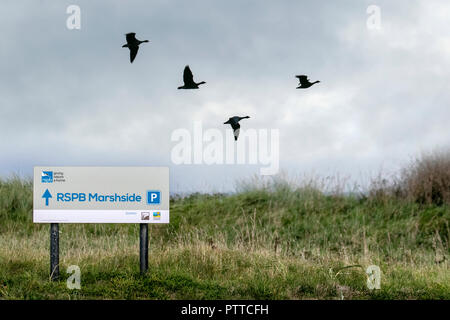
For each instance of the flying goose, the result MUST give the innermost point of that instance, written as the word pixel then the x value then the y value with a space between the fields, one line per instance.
pixel 234 122
pixel 188 79
pixel 304 82
pixel 133 45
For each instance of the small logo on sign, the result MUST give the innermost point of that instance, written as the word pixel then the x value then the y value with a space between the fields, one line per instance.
pixel 145 215
pixel 47 177
pixel 153 197
pixel 156 215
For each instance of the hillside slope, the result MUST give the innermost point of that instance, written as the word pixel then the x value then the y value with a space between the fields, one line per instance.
pixel 273 242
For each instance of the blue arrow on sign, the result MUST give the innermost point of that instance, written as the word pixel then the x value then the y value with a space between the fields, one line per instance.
pixel 47 195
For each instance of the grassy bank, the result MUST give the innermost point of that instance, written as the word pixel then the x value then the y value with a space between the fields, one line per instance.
pixel 276 241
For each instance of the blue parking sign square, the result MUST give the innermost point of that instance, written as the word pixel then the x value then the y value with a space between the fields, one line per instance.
pixel 153 197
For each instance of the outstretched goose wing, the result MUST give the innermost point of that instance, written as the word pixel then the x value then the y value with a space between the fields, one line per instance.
pixel 235 125
pixel 236 133
pixel 303 79
pixel 133 53
pixel 188 77
pixel 131 37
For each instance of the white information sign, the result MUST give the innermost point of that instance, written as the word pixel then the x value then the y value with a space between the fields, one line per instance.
pixel 101 195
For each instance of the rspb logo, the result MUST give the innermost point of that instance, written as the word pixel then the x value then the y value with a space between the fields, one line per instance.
pixel 156 215
pixel 47 176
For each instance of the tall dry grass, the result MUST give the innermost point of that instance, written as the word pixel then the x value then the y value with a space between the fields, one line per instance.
pixel 427 179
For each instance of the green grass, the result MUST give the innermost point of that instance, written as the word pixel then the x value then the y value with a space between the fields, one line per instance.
pixel 275 241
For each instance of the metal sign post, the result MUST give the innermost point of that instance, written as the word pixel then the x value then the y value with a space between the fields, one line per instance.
pixel 143 247
pixel 54 251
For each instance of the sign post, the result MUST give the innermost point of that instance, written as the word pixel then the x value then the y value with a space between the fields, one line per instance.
pixel 54 251
pixel 143 247
pixel 100 195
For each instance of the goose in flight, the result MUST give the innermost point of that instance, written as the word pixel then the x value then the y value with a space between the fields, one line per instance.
pixel 234 122
pixel 304 82
pixel 133 45
pixel 188 79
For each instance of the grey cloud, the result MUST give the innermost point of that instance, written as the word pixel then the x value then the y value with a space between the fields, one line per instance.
pixel 71 97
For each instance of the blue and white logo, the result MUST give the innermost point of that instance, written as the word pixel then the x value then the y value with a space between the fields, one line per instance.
pixel 47 177
pixel 153 197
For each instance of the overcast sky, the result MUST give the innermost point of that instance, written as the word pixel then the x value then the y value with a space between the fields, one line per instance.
pixel 71 97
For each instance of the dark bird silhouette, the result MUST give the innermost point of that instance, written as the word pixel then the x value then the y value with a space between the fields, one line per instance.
pixel 188 79
pixel 234 122
pixel 304 82
pixel 133 45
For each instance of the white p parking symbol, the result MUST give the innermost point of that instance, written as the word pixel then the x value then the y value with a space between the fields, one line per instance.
pixel 153 197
